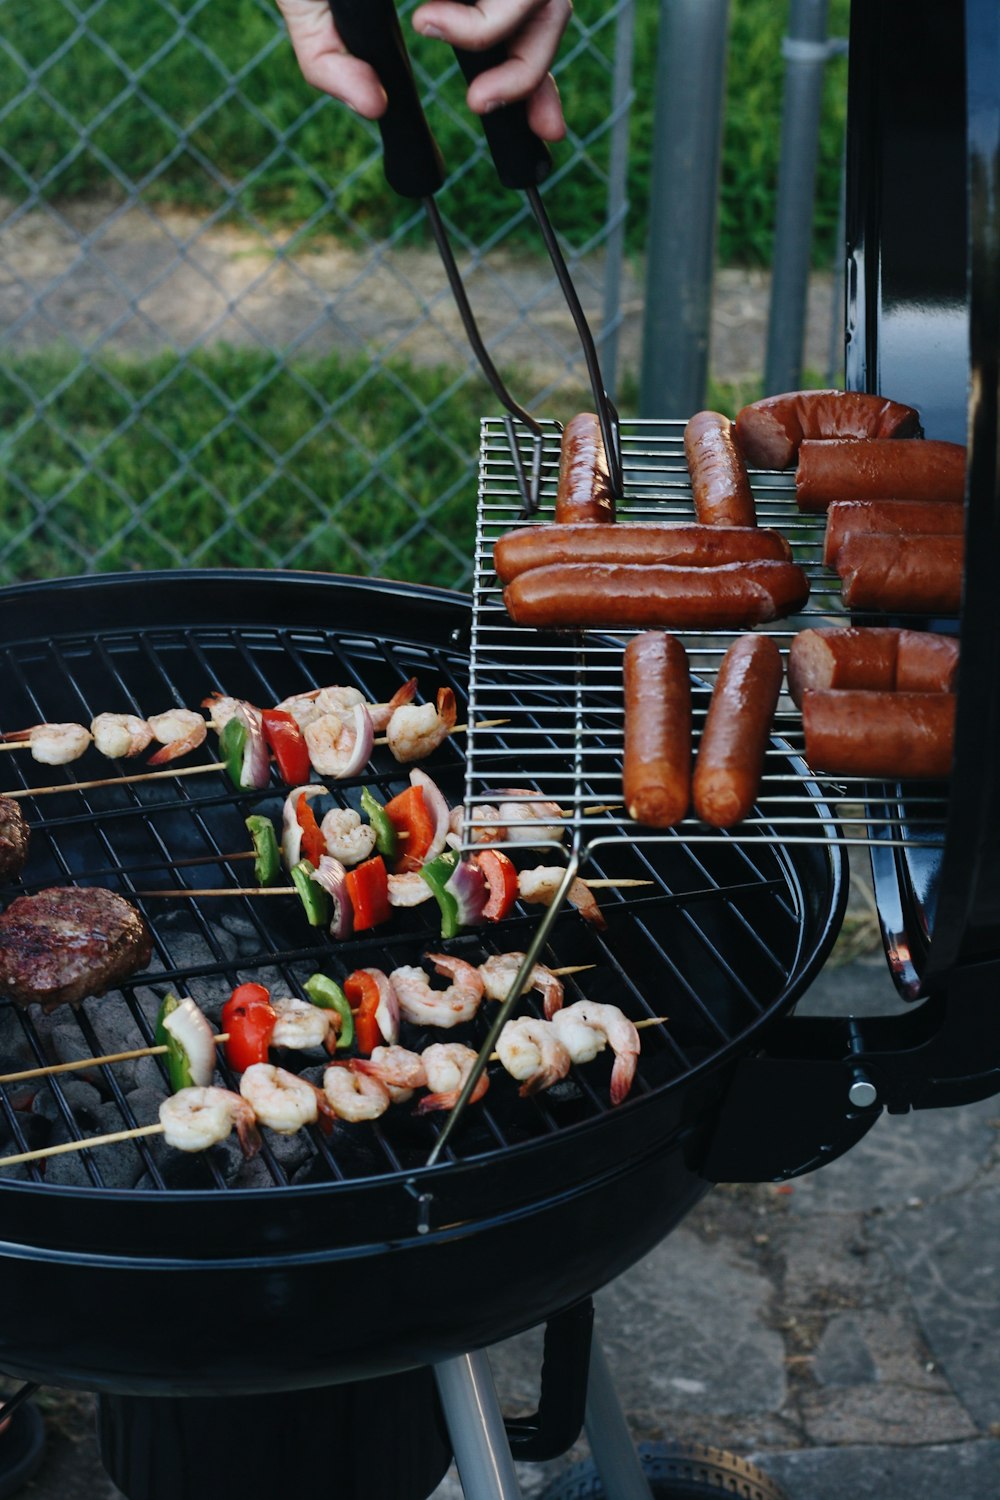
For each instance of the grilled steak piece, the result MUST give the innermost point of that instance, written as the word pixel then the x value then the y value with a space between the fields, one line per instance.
pixel 68 942
pixel 13 839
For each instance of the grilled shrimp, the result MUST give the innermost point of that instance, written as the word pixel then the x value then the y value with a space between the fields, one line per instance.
pixel 302 707
pixel 398 1069
pixel 531 1051
pixel 605 1024
pixel 542 883
pixel 196 1118
pixel 281 1099
pixel 425 1006
pixel 340 746
pixel 410 889
pixel 447 1065
pixel 347 837
pixel 415 729
pixel 500 970
pixel 528 818
pixel 382 712
pixel 54 744
pixel 354 1095
pixel 179 731
pixel 490 831
pixel 120 735
pixel 301 1025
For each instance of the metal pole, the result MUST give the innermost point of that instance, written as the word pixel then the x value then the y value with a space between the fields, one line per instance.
pixel 806 52
pixel 611 1445
pixel 687 148
pixel 621 101
pixel 475 1426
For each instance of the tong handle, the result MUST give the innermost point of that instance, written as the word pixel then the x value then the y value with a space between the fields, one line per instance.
pixel 520 158
pixel 370 31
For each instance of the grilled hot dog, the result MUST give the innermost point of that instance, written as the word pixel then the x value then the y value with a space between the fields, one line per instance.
pixel 635 542
pixel 769 432
pixel 845 518
pixel 876 658
pixel 567 596
pixel 879 734
pixel 878 469
pixel 584 489
pixel 730 760
pixel 719 482
pixel 902 574
pixel 656 772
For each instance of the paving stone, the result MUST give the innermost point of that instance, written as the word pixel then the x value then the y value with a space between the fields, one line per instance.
pixel 842 1356
pixel 885 1473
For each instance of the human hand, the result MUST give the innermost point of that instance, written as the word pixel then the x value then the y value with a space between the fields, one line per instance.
pixel 532 31
pixel 325 61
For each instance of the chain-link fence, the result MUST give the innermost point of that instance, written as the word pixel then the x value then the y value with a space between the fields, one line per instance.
pixel 224 341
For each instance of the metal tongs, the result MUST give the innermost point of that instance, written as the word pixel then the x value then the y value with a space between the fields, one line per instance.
pixel 414 168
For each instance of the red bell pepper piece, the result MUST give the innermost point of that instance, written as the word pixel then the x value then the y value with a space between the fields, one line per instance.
pixel 288 743
pixel 501 880
pixel 409 815
pixel 313 845
pixel 249 1018
pixel 368 889
pixel 363 997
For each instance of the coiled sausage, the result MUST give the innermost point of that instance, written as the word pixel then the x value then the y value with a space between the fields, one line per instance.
pixel 770 431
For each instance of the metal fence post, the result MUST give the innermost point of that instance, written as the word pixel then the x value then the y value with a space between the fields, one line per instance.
pixel 806 53
pixel 687 146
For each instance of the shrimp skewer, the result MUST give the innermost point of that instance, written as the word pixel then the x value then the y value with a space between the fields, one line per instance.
pixel 448 1065
pixel 51 744
pixel 531 1051
pixel 195 1118
pixel 355 1095
pixel 179 731
pixel 425 1006
pixel 500 970
pixel 587 1027
pixel 282 1100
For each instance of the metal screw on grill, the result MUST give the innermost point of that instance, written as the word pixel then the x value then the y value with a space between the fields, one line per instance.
pixel 861 1092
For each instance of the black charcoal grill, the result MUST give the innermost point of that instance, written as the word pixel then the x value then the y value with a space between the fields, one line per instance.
pixel 351 1261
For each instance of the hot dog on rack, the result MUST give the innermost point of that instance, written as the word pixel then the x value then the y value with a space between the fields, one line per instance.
pixel 849 733
pixel 902 574
pixel 847 518
pixel 730 761
pixel 878 469
pixel 656 772
pixel 872 657
pixel 719 482
pixel 769 432
pixel 682 544
pixel 569 596
pixel 584 489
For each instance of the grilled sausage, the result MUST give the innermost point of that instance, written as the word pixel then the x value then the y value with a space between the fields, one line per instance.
pixel 769 432
pixel 926 662
pixel 878 469
pixel 14 839
pixel 584 489
pixel 656 770
pixel 891 517
pixel 635 542
pixel 719 482
pixel 730 761
pixel 902 574
pixel 846 657
pixel 568 596
pixel 879 734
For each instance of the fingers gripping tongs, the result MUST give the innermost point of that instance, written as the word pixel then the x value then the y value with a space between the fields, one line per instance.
pixel 414 168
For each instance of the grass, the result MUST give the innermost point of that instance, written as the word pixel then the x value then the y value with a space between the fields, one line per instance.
pixel 197 115
pixel 231 459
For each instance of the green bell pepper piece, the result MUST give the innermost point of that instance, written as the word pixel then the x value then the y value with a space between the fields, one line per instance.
pixel 178 1066
pixel 313 897
pixel 327 994
pixel 265 847
pixel 386 837
pixel 437 872
pixel 232 743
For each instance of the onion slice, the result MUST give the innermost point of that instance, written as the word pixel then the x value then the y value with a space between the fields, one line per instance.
pixel 291 830
pixel 467 885
pixel 436 805
pixel 191 1030
pixel 256 770
pixel 331 875
pixel 387 1010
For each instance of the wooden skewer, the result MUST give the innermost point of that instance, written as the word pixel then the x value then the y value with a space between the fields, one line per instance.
pixel 290 890
pixel 139 1131
pixel 218 765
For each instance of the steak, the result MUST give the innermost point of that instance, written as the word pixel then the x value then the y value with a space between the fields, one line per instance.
pixel 13 839
pixel 67 942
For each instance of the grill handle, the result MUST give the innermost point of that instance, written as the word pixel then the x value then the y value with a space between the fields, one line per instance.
pixel 823 1081
pixel 557 1423
pixel 412 161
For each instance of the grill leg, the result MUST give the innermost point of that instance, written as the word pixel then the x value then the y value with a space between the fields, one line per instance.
pixel 610 1441
pixel 475 1427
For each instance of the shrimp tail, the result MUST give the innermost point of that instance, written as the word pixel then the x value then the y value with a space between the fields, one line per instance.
pixel 449 1099
pixel 447 708
pixel 249 1137
pixel 622 1075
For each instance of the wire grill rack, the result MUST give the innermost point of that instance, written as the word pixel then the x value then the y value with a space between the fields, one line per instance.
pixel 570 685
